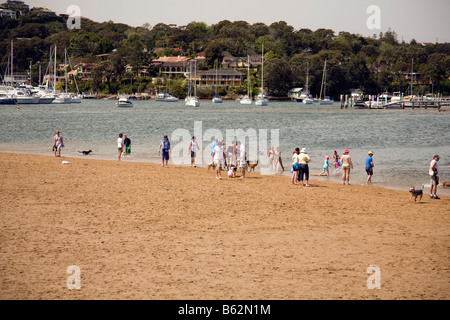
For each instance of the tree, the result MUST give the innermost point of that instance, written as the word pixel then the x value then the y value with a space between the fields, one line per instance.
pixel 277 77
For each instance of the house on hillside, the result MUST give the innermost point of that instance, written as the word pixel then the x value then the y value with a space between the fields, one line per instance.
pixel 231 62
pixel 6 13
pixel 225 78
pixel 175 66
pixel 15 5
pixel 295 93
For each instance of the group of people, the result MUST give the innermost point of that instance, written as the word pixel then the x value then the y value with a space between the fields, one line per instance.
pixel 300 167
pixel 123 146
pixel 234 156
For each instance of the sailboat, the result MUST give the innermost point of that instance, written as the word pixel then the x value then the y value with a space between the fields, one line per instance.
pixel 261 98
pixel 169 97
pixel 326 100
pixel 64 97
pixel 307 99
pixel 217 99
pixel 20 95
pixel 247 98
pixel 192 101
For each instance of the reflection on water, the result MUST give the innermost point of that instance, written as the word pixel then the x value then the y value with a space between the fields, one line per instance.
pixel 403 141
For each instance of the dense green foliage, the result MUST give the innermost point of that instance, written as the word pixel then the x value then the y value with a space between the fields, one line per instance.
pixel 374 64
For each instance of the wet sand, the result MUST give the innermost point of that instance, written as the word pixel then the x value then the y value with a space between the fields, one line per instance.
pixel 140 231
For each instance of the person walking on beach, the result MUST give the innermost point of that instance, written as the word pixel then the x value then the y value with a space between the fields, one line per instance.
pixel 127 144
pixel 164 146
pixel 279 158
pixel 346 166
pixel 242 162
pixel 58 143
pixel 369 167
pixel 295 166
pixel 231 155
pixel 213 145
pixel 434 175
pixel 193 147
pixel 271 158
pixel 218 156
pixel 303 160
pixel 119 146
pixel 325 167
pixel 337 162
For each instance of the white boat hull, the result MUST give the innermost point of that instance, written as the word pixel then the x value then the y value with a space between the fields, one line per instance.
pixel 307 101
pixel 217 100
pixel 262 103
pixel 124 104
pixel 192 102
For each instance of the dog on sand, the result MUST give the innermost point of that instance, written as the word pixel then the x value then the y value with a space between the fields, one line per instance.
pixel 416 193
pixel 446 184
pixel 85 152
pixel 212 166
pixel 251 166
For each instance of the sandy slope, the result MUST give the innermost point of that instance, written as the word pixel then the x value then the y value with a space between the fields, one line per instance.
pixel 139 231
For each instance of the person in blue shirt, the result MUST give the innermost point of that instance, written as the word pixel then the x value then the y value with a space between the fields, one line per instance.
pixel 164 146
pixel 213 145
pixel 369 167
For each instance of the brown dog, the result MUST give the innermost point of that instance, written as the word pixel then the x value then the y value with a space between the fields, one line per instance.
pixel 416 193
pixel 251 166
pixel 212 166
pixel 446 184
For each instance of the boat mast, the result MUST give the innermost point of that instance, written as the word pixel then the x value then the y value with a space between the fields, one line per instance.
pixel 412 70
pixel 248 77
pixel 54 73
pixel 262 70
pixel 12 64
pixel 65 66
pixel 195 78
pixel 307 74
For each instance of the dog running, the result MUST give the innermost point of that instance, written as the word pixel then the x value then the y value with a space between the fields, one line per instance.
pixel 251 166
pixel 85 152
pixel 416 193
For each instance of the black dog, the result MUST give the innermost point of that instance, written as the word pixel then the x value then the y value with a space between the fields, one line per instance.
pixel 416 193
pixel 85 152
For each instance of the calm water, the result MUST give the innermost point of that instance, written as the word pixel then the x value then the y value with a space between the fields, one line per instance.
pixel 403 141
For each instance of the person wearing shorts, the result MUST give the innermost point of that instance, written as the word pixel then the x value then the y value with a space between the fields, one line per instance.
pixel 164 150
pixel 218 156
pixel 242 161
pixel 119 146
pixel 369 167
pixel 127 145
pixel 193 147
pixel 434 175
pixel 58 144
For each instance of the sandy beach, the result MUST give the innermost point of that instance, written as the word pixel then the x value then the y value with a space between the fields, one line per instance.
pixel 140 231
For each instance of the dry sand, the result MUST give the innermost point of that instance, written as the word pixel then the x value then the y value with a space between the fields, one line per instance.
pixel 139 231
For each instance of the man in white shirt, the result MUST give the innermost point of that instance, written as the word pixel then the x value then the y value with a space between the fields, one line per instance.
pixel 119 146
pixel 218 156
pixel 193 147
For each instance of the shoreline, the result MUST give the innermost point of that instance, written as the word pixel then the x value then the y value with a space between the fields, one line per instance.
pixel 335 178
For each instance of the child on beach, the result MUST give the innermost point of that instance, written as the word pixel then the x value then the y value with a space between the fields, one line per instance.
pixel 337 163
pixel 326 164
pixel 119 146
